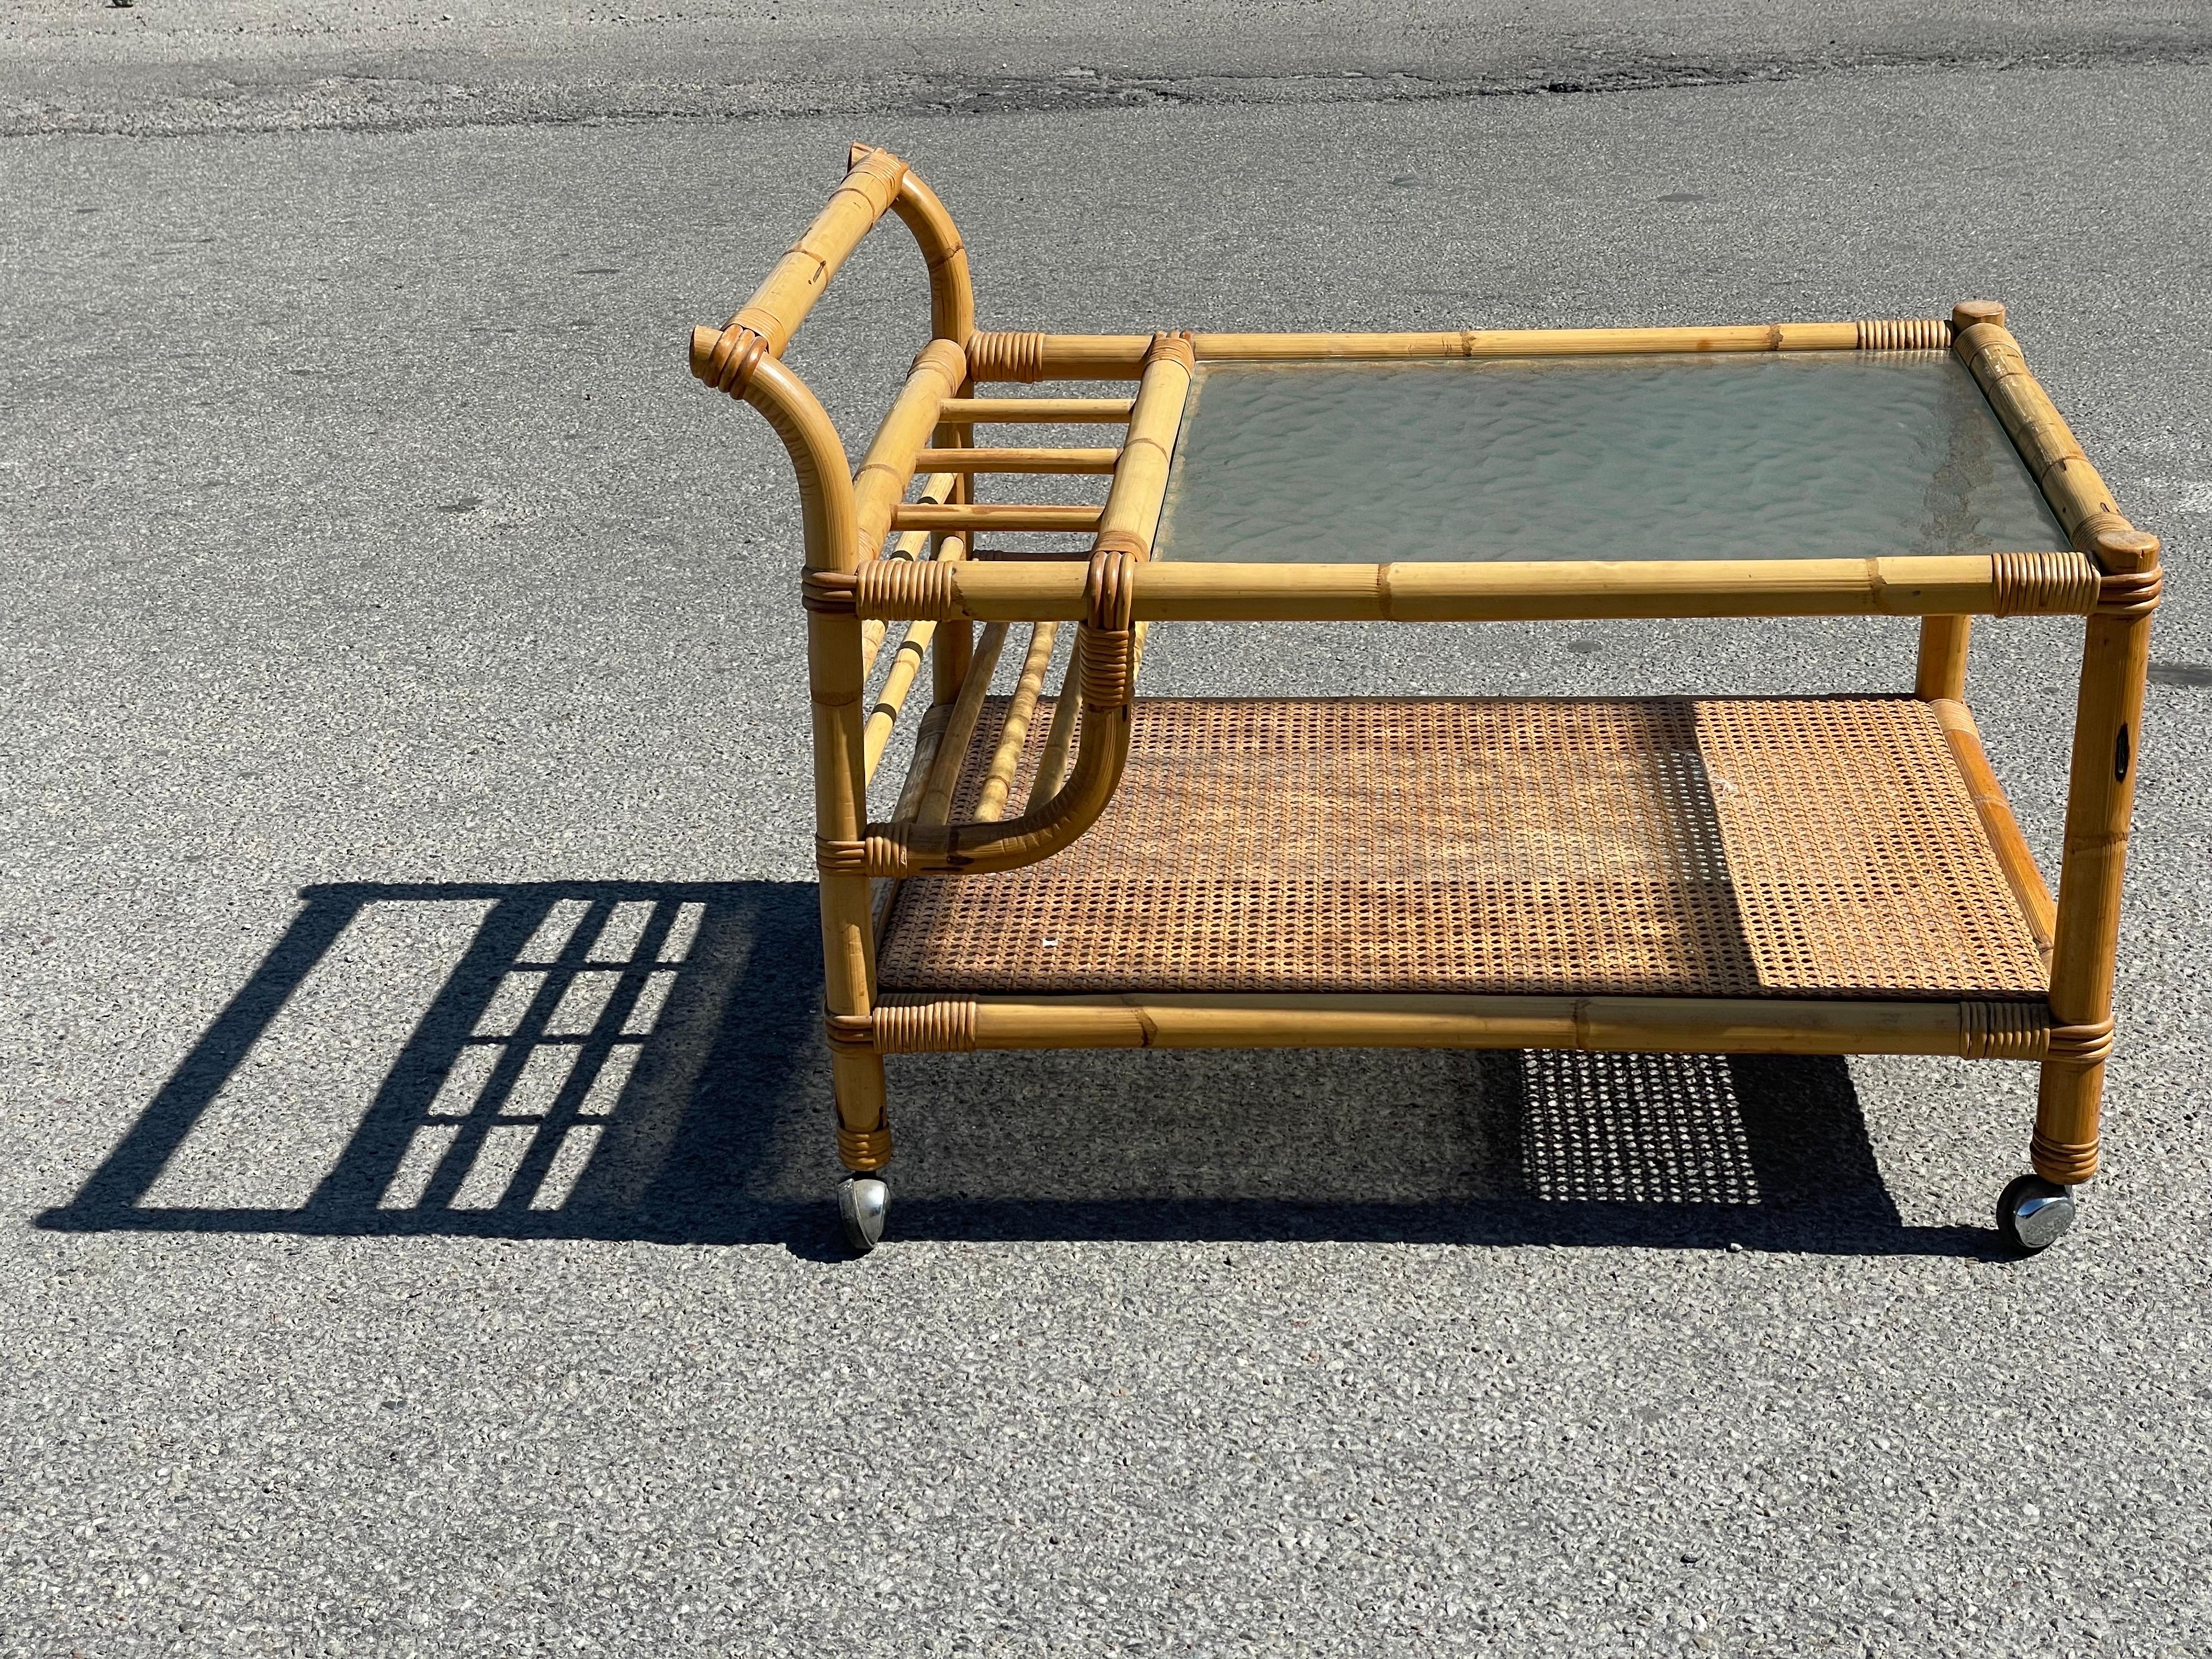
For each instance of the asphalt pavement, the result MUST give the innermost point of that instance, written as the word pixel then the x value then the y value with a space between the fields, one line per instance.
pixel 405 712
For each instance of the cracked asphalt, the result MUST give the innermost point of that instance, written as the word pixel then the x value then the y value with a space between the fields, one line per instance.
pixel 413 1223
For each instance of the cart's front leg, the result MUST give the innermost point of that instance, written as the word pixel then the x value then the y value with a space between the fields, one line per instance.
pixel 2099 801
pixel 848 959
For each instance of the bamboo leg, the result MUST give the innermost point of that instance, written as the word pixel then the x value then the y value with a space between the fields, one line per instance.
pixel 848 964
pixel 2100 798
pixel 1942 671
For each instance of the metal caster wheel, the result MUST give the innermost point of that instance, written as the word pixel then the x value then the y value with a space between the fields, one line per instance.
pixel 862 1201
pixel 2032 1213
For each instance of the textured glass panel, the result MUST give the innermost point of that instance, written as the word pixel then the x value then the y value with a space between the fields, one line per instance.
pixel 1830 454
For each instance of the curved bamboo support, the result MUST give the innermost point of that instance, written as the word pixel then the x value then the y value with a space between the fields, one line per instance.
pixel 1106 654
pixel 952 290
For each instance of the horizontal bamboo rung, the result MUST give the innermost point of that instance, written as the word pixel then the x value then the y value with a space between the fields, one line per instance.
pixel 1602 1024
pixel 1068 461
pixel 1042 412
pixel 994 515
pixel 1120 357
pixel 1947 585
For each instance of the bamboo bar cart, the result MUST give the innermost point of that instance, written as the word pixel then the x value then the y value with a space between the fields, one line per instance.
pixel 1085 868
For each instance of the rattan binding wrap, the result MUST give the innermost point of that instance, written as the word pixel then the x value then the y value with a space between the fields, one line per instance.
pixel 2043 584
pixel 2005 1030
pixel 1906 334
pixel 1018 357
pixel 925 1027
pixel 2130 594
pixel 1817 847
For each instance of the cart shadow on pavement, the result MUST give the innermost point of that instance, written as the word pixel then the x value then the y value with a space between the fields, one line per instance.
pixel 642 1061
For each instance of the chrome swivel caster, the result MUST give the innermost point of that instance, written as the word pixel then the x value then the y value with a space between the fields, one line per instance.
pixel 862 1201
pixel 2032 1213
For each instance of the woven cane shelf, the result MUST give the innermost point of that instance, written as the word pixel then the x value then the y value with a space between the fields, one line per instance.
pixel 1081 867
pixel 1661 847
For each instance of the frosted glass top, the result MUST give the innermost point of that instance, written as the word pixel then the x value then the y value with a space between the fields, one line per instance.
pixel 1827 454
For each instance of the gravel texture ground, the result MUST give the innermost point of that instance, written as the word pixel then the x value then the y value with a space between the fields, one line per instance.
pixel 386 611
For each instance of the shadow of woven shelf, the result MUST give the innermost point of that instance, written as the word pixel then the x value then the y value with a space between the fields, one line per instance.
pixel 642 1062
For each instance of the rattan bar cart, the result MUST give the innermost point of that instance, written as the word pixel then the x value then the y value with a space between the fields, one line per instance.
pixel 1814 876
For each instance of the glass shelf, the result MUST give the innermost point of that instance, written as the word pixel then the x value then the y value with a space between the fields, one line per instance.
pixel 1842 454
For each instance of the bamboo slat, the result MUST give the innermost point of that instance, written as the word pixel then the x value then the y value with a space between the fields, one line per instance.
pixel 1063 461
pixel 936 803
pixel 897 684
pixel 1650 1024
pixel 1040 411
pixel 998 778
pixel 2021 873
pixel 994 515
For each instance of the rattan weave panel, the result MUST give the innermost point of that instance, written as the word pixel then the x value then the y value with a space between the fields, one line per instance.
pixel 1664 847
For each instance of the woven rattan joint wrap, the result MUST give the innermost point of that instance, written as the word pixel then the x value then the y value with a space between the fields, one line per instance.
pixel 1005 356
pixel 832 592
pixel 863 1149
pixel 2005 1031
pixel 2052 584
pixel 2134 593
pixel 1178 345
pixel 729 367
pixel 1668 847
pixel 853 1032
pixel 917 589
pixel 2081 1045
pixel 1906 334
pixel 926 1028
pixel 2067 1163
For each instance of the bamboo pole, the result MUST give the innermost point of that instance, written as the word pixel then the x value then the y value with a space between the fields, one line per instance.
pixel 1942 671
pixel 2100 803
pixel 1052 759
pixel 1120 357
pixel 2078 496
pixel 1176 592
pixel 954 647
pixel 2014 855
pixel 994 516
pixel 1006 759
pixel 788 292
pixel 890 464
pixel 834 686
pixel 1041 411
pixel 936 804
pixel 1061 461
pixel 1604 1024
pixel 892 699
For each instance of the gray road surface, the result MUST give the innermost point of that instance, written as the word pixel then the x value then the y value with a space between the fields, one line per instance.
pixel 384 608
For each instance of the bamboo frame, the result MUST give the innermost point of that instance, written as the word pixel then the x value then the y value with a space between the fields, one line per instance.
pixel 2109 575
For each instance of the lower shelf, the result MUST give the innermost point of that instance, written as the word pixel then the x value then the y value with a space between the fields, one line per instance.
pixel 1820 848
